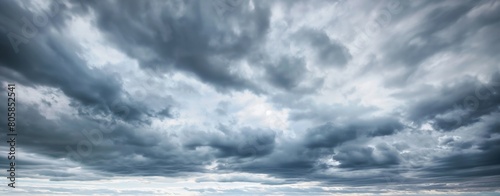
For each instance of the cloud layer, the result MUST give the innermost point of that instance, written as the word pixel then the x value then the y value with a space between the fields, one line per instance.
pixel 275 97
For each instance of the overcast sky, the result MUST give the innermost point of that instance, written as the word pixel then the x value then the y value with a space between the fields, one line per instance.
pixel 253 97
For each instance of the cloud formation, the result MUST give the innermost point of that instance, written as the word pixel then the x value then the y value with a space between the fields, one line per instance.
pixel 255 97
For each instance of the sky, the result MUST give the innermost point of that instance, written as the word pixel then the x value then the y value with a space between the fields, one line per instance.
pixel 252 97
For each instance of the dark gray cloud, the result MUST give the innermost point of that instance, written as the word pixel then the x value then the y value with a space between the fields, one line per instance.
pixel 328 52
pixel 53 61
pixel 167 112
pixel 450 31
pixel 261 106
pixel 107 146
pixel 443 17
pixel 287 73
pixel 457 104
pixel 357 157
pixel 246 142
pixel 468 165
pixel 191 36
pixel 299 160
pixel 331 135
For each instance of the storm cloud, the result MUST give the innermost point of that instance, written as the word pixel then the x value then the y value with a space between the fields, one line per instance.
pixel 254 97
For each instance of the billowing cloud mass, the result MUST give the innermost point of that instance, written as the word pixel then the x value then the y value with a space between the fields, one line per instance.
pixel 253 97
